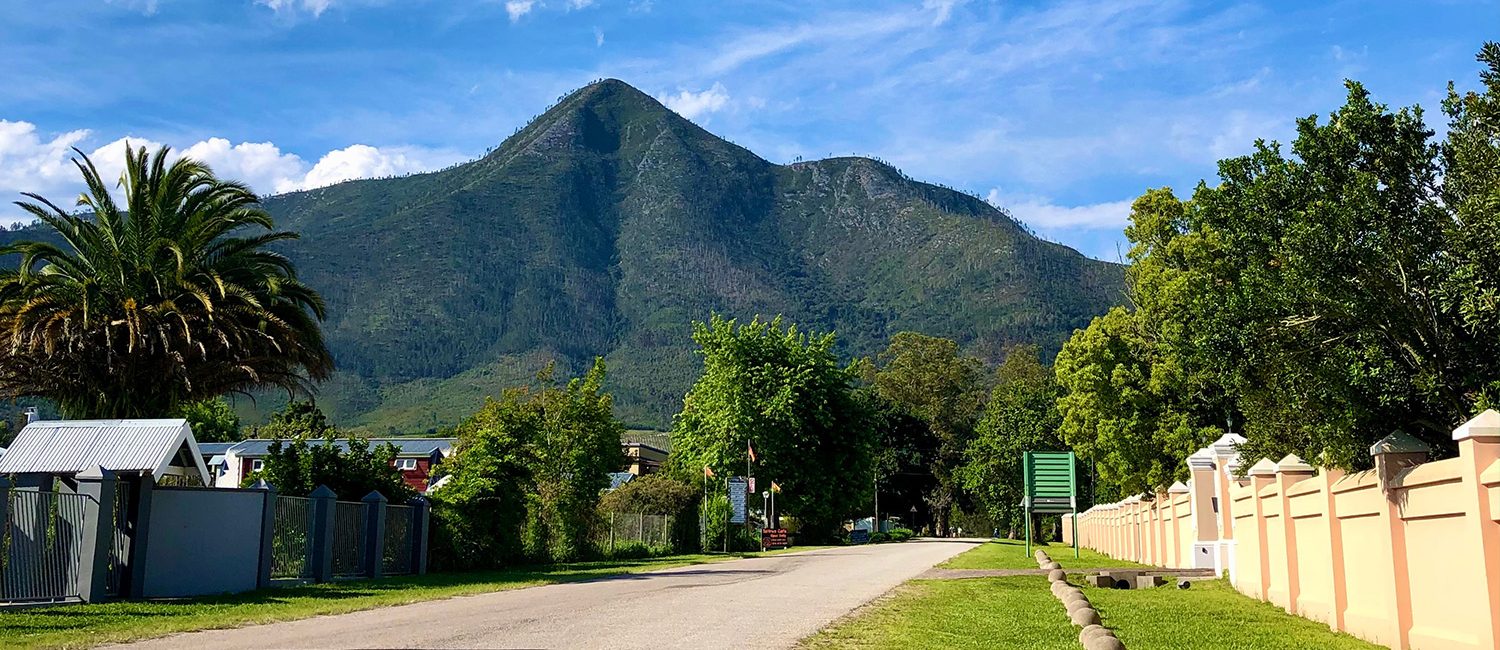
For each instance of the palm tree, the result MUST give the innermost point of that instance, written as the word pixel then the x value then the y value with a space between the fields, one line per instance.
pixel 171 298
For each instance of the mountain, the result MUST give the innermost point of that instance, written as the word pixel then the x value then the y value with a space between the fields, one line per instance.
pixel 609 223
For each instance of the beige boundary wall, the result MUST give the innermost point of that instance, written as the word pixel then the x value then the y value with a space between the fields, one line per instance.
pixel 1406 555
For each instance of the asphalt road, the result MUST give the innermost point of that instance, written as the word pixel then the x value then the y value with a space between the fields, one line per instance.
pixel 768 602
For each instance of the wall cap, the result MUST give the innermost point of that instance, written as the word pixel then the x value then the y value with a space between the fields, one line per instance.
pixel 1177 488
pixel 1227 444
pixel 1201 459
pixel 1399 442
pixel 1264 467
pixel 1484 425
pixel 1291 464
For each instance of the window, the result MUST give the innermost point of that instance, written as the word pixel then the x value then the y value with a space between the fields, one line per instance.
pixel 406 464
pixel 257 465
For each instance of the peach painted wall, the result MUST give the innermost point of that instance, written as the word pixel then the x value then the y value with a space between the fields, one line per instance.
pixel 1406 555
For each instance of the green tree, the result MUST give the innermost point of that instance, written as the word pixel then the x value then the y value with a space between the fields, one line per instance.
pixel 1327 296
pixel 767 384
pixel 526 478
pixel 1021 415
pixel 212 420
pixel 653 495
pixel 308 453
pixel 928 378
pixel 1121 406
pixel 170 297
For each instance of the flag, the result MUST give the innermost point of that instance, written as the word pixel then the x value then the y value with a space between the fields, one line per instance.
pixel 775 488
pixel 707 473
pixel 751 448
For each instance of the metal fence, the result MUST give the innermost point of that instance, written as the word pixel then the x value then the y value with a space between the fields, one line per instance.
pixel 40 545
pixel 348 539
pixel 396 556
pixel 291 539
pixel 120 539
pixel 619 530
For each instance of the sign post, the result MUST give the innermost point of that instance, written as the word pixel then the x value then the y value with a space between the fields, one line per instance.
pixel 1051 487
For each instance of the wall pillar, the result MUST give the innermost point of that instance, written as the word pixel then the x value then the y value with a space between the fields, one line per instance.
pixel 1479 450
pixel 267 532
pixel 323 504
pixel 98 484
pixel 145 489
pixel 1336 548
pixel 1289 471
pixel 1390 460
pixel 421 514
pixel 374 533
pixel 1262 475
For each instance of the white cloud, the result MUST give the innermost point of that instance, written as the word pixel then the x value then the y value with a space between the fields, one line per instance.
pixel 261 165
pixel 364 161
pixel 943 9
pixel 691 105
pixel 1044 215
pixel 31 162
pixel 518 8
pixel 314 7
pixel 598 37
pixel 579 4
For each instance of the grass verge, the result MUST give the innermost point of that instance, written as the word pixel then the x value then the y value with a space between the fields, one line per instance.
pixel 1014 612
pixel 75 626
pixel 1210 615
pixel 1011 554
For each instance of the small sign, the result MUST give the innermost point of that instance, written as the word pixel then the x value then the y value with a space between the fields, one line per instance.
pixel 859 536
pixel 751 480
pixel 737 487
pixel 773 538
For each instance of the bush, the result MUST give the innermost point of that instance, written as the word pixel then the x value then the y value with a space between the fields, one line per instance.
pixel 880 538
pixel 900 534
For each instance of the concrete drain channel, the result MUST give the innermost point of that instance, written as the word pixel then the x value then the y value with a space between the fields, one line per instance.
pixel 1094 636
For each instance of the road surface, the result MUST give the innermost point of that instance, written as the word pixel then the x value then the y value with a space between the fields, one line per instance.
pixel 767 602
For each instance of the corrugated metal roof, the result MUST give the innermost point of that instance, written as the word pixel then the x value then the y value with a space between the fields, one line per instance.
pixel 214 448
pixel 71 446
pixel 407 447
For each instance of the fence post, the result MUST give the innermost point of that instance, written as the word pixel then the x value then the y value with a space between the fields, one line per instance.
pixel 323 503
pixel 144 492
pixel 1290 470
pixel 267 533
pixel 611 533
pixel 374 533
pixel 421 516
pixel 98 484
pixel 1262 474
pixel 1479 449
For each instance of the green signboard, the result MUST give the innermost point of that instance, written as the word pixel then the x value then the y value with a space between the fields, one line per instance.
pixel 1051 486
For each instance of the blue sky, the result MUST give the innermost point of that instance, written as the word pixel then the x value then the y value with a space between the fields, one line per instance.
pixel 1061 112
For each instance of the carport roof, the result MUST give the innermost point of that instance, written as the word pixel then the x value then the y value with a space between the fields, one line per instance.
pixel 68 447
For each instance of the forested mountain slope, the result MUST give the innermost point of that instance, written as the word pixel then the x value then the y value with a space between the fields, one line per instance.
pixel 609 223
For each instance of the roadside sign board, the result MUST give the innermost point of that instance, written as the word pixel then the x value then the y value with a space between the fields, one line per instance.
pixel 773 538
pixel 859 536
pixel 737 489
pixel 1050 479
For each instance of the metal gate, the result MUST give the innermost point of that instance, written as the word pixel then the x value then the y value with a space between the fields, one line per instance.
pixel 292 539
pixel 40 545
pixel 117 574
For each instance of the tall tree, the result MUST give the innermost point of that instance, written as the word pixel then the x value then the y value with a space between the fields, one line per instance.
pixel 1330 294
pixel 526 478
pixel 1122 406
pixel 1020 416
pixel 212 420
pixel 768 385
pixel 170 297
pixel 928 378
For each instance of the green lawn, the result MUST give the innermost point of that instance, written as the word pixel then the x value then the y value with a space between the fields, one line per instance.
pixel 1011 554
pixel 87 625
pixel 1208 616
pixel 1014 612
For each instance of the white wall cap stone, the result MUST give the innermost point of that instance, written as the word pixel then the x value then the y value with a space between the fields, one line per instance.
pixel 1177 488
pixel 1226 445
pixel 1399 442
pixel 1292 464
pixel 1484 425
pixel 1264 467
pixel 1201 459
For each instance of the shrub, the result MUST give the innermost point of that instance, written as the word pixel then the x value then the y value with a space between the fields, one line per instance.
pixel 900 534
pixel 879 538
